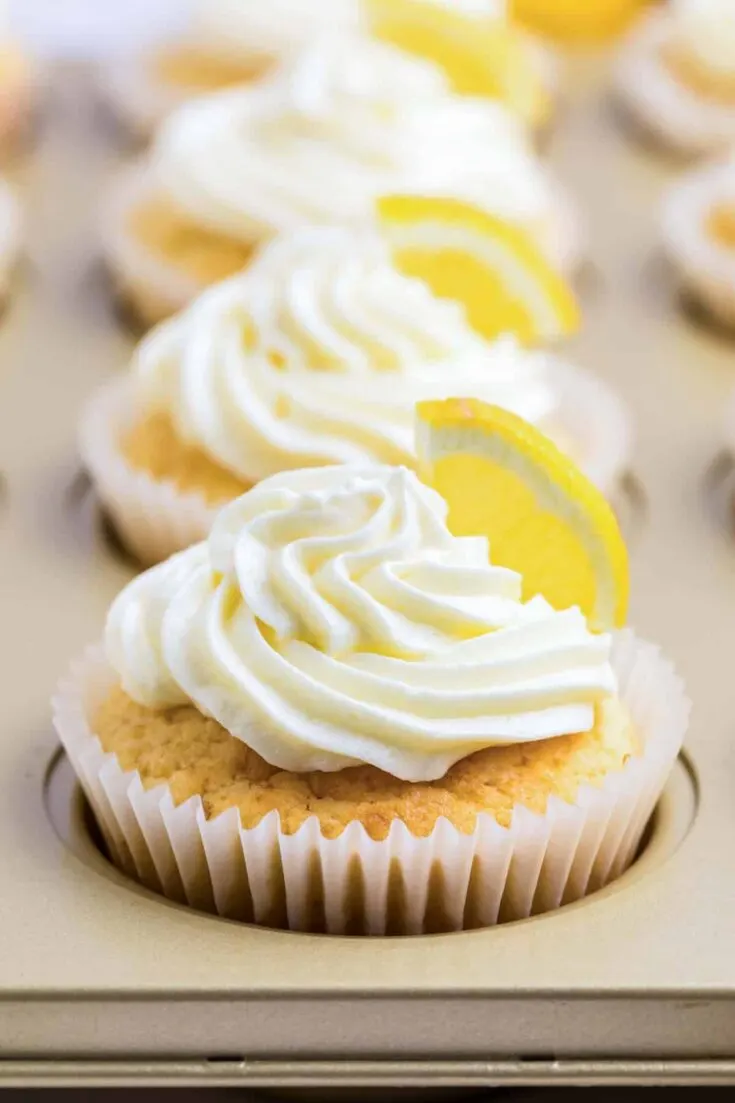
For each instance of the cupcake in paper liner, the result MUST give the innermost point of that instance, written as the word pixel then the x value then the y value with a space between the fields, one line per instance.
pixel 334 715
pixel 676 75
pixel 232 170
pixel 572 23
pixel 698 231
pixel 243 42
pixel 315 355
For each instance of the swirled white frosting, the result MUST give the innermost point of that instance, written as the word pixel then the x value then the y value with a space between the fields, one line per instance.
pixel 351 119
pixel 318 353
pixel 332 619
pixel 279 27
pixel 705 29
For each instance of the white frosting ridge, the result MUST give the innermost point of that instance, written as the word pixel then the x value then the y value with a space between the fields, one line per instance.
pixel 331 619
pixel 318 353
pixel 350 119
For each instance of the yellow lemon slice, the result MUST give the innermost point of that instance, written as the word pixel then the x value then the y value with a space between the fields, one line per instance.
pixel 503 479
pixel 576 20
pixel 495 269
pixel 481 55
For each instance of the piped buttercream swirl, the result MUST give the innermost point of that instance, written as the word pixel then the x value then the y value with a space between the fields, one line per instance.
pixel 350 119
pixel 318 353
pixel 331 619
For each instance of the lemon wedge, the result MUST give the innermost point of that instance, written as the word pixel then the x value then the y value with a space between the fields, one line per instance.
pixel 492 267
pixel 576 20
pixel 504 479
pixel 482 55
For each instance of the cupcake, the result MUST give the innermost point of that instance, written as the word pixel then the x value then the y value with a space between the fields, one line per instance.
pixel 335 715
pixel 236 42
pixel 698 232
pixel 351 118
pixel 316 354
pixel 676 75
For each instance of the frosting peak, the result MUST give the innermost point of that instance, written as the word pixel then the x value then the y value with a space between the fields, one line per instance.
pixel 332 619
pixel 349 119
pixel 318 353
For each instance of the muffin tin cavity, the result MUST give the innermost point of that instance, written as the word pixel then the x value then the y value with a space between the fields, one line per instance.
pixel 73 822
pixel 718 486
pixel 91 522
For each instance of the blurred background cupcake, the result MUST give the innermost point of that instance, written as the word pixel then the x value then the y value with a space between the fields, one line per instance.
pixel 676 75
pixel 317 354
pixel 698 228
pixel 349 119
pixel 232 42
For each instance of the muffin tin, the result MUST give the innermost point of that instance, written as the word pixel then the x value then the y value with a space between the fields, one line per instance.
pixel 102 982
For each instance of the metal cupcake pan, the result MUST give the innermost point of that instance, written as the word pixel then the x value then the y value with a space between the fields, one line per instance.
pixel 102 982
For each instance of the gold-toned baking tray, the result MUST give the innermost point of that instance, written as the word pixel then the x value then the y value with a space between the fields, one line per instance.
pixel 102 982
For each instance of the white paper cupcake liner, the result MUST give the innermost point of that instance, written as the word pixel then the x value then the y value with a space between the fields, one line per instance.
pixel 145 281
pixel 705 267
pixel 10 235
pixel 153 518
pixel 670 112
pixel 403 884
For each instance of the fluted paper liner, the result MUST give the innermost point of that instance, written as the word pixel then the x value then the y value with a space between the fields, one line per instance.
pixel 671 113
pixel 155 519
pixel 403 884
pixel 706 267
pixel 146 281
pixel 10 233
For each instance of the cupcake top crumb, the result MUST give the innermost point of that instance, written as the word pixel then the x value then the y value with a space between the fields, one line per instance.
pixel 196 756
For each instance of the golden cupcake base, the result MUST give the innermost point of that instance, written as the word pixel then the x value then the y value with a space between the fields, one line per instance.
pixel 102 982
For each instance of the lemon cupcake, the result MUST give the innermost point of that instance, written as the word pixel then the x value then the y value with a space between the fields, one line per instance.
pixel 335 715
pixel 676 75
pixel 351 119
pixel 698 233
pixel 231 42
pixel 317 354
